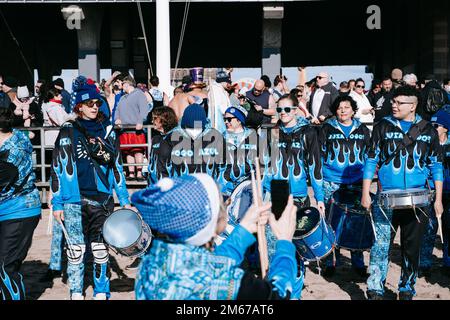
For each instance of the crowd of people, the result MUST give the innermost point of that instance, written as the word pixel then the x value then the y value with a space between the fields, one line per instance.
pixel 205 144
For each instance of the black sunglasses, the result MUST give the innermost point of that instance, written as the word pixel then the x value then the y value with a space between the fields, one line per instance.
pixel 436 125
pixel 359 86
pixel 320 78
pixel 285 109
pixel 228 119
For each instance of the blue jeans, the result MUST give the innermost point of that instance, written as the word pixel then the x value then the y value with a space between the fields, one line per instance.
pixel 56 247
pixel 429 240
pixel 410 240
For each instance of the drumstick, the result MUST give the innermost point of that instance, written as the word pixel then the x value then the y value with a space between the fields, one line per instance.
pixel 439 220
pixel 260 201
pixel 262 241
pixel 50 223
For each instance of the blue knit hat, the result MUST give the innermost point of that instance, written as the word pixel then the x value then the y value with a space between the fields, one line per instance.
pixel 87 92
pixel 442 117
pixel 185 208
pixel 192 114
pixel 239 112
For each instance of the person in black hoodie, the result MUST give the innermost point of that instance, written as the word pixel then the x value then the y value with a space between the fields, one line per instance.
pixel 433 97
pixel 322 98
pixel 195 146
pixel 381 102
pixel 165 120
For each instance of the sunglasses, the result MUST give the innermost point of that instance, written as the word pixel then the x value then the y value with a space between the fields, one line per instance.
pixel 360 86
pixel 399 103
pixel 93 103
pixel 436 125
pixel 228 119
pixel 285 109
pixel 257 90
pixel 320 78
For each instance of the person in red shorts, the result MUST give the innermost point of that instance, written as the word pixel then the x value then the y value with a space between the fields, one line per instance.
pixel 132 109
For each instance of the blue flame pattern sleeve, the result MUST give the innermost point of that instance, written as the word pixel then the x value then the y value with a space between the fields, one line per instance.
pixel 314 162
pixel 436 159
pixel 119 177
pixel 373 154
pixel 63 171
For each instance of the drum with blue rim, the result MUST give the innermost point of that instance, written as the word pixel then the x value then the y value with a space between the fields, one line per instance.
pixel 313 238
pixel 351 222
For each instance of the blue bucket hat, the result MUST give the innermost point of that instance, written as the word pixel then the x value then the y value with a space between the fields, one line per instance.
pixel 184 208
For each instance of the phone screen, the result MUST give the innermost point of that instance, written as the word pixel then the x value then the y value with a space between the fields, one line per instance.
pixel 280 191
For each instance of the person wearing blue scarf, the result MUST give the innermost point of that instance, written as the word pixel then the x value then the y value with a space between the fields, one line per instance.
pixel 86 169
pixel 186 213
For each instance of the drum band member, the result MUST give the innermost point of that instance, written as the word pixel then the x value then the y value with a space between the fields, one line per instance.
pixel 344 141
pixel 403 168
pixel 20 206
pixel 186 214
pixel 241 149
pixel 441 122
pixel 298 155
pixel 86 168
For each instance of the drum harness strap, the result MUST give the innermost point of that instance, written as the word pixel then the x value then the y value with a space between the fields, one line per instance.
pixel 408 138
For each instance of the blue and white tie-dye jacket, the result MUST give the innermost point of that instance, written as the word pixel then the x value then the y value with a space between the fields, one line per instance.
pixel 25 203
pixel 410 168
pixel 343 157
pixel 177 271
pixel 241 150
pixel 64 174
pixel 298 156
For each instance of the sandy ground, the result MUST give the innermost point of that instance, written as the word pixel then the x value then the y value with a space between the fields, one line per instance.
pixel 345 285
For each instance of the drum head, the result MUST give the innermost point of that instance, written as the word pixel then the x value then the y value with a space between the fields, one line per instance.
pixel 307 220
pixel 349 199
pixel 241 201
pixel 122 228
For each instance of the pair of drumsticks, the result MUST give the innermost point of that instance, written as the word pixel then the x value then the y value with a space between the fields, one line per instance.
pixel 257 200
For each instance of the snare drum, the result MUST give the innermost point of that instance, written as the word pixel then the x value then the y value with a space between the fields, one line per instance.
pixel 313 238
pixel 405 198
pixel 125 231
pixel 351 222
pixel 240 201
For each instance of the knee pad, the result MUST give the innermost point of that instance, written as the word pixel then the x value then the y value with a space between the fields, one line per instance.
pixel 75 253
pixel 100 252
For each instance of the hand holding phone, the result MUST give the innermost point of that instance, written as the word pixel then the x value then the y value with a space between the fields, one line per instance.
pixel 280 191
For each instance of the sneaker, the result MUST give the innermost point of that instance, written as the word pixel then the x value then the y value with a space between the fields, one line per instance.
pixel 77 296
pixel 372 295
pixel 362 272
pixel 405 295
pixel 51 274
pixel 100 296
pixel 134 265
pixel 328 271
pixel 424 272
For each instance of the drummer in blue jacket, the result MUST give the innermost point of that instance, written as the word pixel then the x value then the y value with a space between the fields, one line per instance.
pixel 441 121
pixel 406 170
pixel 241 149
pixel 344 141
pixel 82 184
